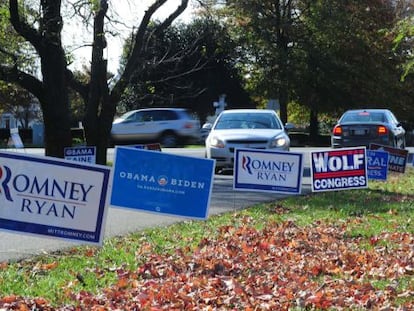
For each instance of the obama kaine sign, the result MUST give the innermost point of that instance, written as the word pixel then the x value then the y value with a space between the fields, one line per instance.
pixel 81 154
pixel 52 197
pixel 339 169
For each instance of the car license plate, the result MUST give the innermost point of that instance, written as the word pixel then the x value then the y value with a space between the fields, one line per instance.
pixel 359 132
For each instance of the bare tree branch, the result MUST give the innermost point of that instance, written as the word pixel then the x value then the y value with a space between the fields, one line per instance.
pixel 30 83
pixel 22 27
pixel 135 59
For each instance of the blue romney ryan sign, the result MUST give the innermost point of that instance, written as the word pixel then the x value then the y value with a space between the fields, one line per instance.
pixel 377 164
pixel 162 183
pixel 268 171
pixel 339 169
pixel 52 197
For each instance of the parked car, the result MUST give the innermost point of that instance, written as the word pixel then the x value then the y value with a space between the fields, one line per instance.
pixel 409 132
pixel 204 131
pixel 365 126
pixel 168 126
pixel 244 128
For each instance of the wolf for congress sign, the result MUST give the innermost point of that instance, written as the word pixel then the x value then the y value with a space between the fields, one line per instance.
pixel 339 169
pixel 51 197
pixel 270 171
pixel 162 183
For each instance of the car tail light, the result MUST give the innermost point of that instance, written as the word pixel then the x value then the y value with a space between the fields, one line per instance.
pixel 188 125
pixel 337 130
pixel 382 130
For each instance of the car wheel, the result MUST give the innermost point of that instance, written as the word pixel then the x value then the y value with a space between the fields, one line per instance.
pixel 169 139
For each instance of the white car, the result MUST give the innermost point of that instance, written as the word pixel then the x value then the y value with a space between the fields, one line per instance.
pixel 244 128
pixel 168 126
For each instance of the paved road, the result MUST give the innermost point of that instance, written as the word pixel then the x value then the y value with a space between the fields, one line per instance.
pixel 121 221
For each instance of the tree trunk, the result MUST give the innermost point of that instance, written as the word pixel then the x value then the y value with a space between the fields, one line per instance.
pixel 100 107
pixel 313 125
pixel 52 90
pixel 55 105
pixel 283 101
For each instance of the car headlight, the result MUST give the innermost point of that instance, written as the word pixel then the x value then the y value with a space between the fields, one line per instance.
pixel 216 142
pixel 278 142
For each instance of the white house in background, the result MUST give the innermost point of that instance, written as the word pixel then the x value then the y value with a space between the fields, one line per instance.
pixel 12 119
pixel 8 121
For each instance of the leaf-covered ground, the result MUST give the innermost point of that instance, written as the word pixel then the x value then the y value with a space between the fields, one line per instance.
pixel 280 267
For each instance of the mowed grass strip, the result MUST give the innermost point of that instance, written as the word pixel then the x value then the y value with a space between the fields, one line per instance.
pixel 369 215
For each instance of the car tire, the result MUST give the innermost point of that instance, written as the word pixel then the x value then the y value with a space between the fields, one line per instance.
pixel 169 140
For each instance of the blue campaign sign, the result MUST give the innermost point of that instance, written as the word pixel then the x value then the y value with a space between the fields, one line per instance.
pixel 268 171
pixel 397 157
pixel 377 164
pixel 154 146
pixel 81 154
pixel 53 197
pixel 339 169
pixel 162 183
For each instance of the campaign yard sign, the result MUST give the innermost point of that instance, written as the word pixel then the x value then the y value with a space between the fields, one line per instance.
pixel 162 183
pixel 397 158
pixel 268 171
pixel 154 146
pixel 81 154
pixel 339 169
pixel 53 197
pixel 377 164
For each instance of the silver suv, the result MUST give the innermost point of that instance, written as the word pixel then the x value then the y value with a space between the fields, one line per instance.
pixel 168 126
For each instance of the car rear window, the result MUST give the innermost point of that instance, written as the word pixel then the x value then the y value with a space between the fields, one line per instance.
pixel 364 116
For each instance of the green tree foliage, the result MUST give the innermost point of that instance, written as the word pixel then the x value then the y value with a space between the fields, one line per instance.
pixel 403 34
pixel 191 66
pixel 14 99
pixel 327 55
pixel 41 34
pixel 264 29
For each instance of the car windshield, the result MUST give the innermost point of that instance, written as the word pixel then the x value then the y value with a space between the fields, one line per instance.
pixel 364 117
pixel 247 121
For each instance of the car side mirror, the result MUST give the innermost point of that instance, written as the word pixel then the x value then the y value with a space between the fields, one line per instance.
pixel 207 126
pixel 289 126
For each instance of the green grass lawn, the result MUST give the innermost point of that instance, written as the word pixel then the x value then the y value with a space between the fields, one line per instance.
pixel 352 249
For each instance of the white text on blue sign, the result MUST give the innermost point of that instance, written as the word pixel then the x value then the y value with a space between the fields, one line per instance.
pixel 339 169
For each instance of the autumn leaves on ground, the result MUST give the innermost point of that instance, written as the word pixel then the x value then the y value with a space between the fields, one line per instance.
pixel 349 250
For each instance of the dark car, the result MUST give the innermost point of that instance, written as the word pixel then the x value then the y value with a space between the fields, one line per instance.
pixel 365 126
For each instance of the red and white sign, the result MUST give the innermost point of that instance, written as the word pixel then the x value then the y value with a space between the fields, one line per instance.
pixel 339 169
